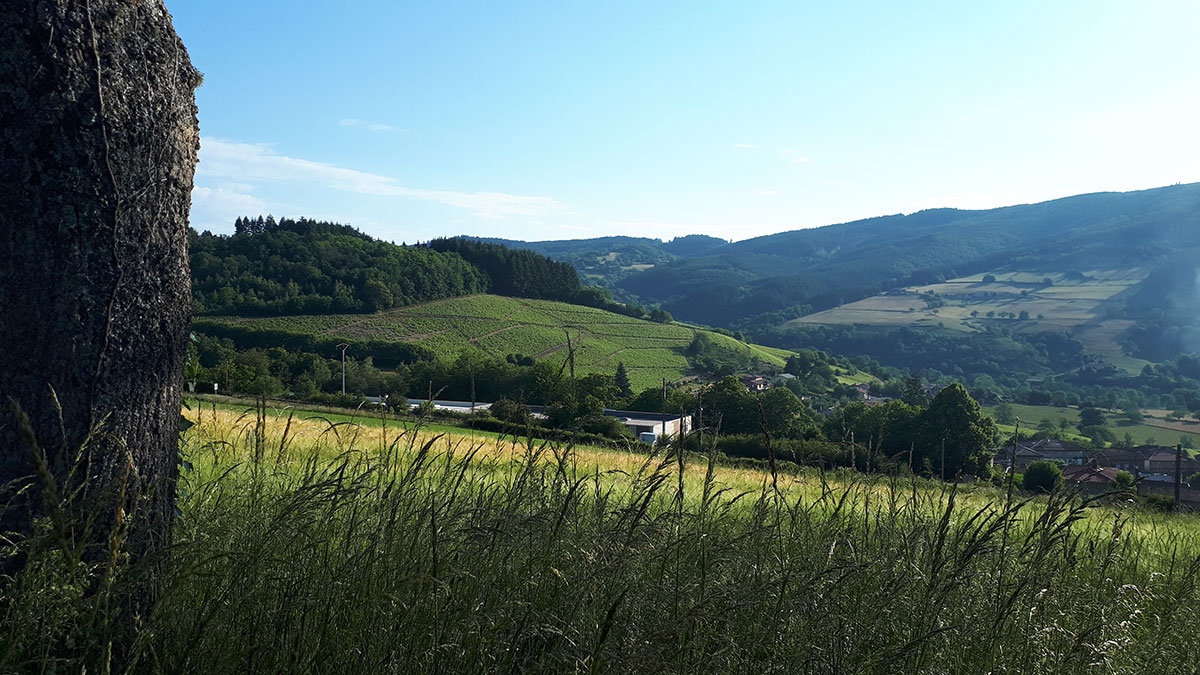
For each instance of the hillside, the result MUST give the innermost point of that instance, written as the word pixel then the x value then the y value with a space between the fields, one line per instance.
pixel 1080 304
pixel 828 266
pixel 312 267
pixel 771 279
pixel 502 326
pixel 607 260
pixel 306 266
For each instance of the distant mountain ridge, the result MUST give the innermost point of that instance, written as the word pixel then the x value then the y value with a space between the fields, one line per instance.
pixel 770 279
pixel 606 260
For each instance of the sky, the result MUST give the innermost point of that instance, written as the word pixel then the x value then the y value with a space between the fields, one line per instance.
pixel 565 120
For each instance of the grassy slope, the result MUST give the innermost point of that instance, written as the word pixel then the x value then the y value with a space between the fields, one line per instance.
pixel 1155 429
pixel 1070 303
pixel 500 326
pixel 589 563
pixel 319 545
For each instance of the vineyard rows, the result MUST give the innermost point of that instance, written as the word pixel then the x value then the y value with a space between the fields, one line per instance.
pixel 501 326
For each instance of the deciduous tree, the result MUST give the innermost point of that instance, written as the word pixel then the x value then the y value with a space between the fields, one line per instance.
pixel 954 418
pixel 97 153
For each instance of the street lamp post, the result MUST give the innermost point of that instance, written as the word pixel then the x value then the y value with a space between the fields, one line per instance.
pixel 343 347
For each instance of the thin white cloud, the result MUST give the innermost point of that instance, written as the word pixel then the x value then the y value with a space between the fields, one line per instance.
pixel 257 161
pixel 801 160
pixel 217 208
pixel 766 193
pixel 369 126
pixel 972 201
pixel 744 146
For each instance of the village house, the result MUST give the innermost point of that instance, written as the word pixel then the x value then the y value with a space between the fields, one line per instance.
pixel 1164 462
pixel 1188 497
pixel 1049 449
pixel 755 383
pixel 650 426
pixel 644 425
pixel 932 389
pixel 464 407
pixel 1090 478
pixel 1132 460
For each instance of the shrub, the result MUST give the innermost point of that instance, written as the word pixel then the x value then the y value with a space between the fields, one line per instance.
pixel 510 411
pixel 1042 476
pixel 602 425
pixel 1123 481
pixel 1160 503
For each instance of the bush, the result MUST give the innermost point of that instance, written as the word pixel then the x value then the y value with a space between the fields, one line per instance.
pixel 510 411
pixel 1042 476
pixel 1123 482
pixel 602 425
pixel 1160 503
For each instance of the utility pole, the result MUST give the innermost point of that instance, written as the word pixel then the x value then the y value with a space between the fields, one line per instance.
pixel 1012 462
pixel 943 458
pixel 853 459
pixel 570 354
pixel 664 407
pixel 343 347
pixel 1178 473
pixel 700 418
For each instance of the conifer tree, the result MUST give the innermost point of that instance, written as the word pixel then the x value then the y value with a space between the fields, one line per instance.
pixel 621 379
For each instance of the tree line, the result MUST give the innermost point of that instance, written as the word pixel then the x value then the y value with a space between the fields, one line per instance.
pixel 304 266
pixel 811 419
pixel 313 267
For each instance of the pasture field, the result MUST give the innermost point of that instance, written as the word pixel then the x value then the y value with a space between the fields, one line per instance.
pixel 1156 430
pixel 499 326
pixel 1070 302
pixel 323 545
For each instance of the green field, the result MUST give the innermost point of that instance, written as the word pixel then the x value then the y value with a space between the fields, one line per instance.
pixel 499 326
pixel 1154 431
pixel 1070 302
pixel 317 543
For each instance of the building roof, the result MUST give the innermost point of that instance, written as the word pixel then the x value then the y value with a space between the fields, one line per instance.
pixel 1089 473
pixel 641 417
pixel 1044 445
pixel 1125 454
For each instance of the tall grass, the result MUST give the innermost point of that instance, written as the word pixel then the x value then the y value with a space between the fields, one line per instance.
pixel 304 547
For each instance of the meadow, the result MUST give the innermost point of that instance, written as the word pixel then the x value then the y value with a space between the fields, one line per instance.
pixel 327 546
pixel 1070 302
pixel 1155 430
pixel 499 326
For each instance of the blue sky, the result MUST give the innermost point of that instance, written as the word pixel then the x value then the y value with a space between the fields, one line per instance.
pixel 555 120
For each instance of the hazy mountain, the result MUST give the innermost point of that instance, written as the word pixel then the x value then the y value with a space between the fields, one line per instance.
pixel 607 260
pixel 814 269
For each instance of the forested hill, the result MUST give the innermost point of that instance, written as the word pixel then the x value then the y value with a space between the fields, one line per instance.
pixel 303 266
pixel 768 280
pixel 607 260
pixel 814 269
pixel 516 272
